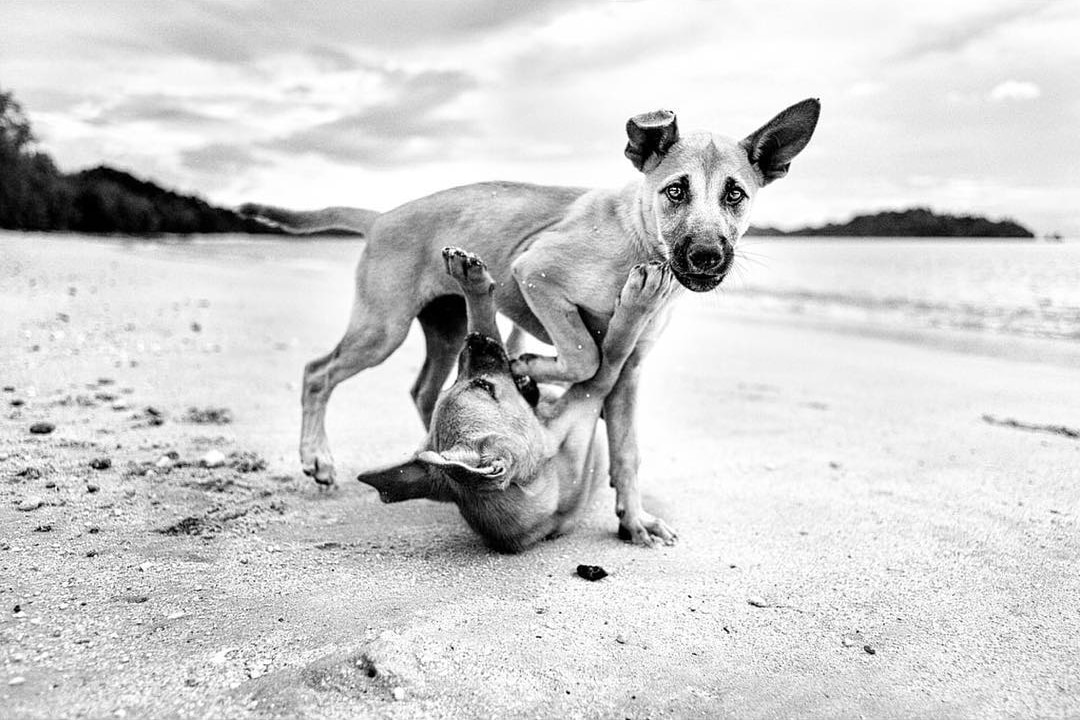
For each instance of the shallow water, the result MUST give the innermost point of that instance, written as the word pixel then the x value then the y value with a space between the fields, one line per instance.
pixel 1021 288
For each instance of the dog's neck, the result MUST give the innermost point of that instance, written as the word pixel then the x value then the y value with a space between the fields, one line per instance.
pixel 637 213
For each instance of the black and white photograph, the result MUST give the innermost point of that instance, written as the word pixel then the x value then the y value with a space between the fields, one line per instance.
pixel 539 359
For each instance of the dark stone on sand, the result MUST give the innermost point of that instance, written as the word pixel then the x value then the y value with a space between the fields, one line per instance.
pixel 101 463
pixel 869 649
pixel 42 428
pixel 9 388
pixel 18 402
pixel 92 488
pixel 592 573
pixel 43 528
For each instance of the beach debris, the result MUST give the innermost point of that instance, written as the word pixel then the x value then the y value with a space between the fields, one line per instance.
pixel 9 388
pixel 592 573
pixel 152 415
pixel 92 488
pixel 32 502
pixel 101 463
pixel 621 639
pixel 42 428
pixel 869 649
pixel 1062 430
pixel 208 416
pixel 758 602
pixel 18 402
pixel 212 459
pixel 246 462
pixel 17 680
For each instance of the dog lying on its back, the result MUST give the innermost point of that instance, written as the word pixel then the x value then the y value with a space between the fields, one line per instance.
pixel 520 464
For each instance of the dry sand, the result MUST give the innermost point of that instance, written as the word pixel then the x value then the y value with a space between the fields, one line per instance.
pixel 855 539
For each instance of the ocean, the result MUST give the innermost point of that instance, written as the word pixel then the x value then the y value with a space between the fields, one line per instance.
pixel 1013 287
pixel 1000 286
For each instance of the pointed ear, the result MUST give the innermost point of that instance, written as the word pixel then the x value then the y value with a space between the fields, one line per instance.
pixel 409 481
pixel 772 147
pixel 465 465
pixel 651 135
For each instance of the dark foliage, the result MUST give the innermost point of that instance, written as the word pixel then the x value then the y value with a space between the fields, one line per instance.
pixel 35 195
pixel 916 222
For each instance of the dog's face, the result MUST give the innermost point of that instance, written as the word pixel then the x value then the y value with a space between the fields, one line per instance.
pixel 484 433
pixel 700 187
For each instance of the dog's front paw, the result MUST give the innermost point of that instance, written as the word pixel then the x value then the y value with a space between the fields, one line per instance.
pixel 646 529
pixel 468 269
pixel 318 466
pixel 647 286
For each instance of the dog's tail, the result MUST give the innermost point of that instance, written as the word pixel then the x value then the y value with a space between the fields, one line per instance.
pixel 331 220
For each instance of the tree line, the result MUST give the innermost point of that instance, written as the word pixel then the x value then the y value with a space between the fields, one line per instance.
pixel 35 195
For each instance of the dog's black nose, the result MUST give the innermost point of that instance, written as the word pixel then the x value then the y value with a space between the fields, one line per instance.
pixel 705 258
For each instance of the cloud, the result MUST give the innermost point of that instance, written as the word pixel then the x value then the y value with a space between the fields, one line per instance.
pixel 221 159
pixel 412 123
pixel 1015 90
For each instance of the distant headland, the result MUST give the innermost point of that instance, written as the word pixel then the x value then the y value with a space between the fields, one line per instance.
pixel 916 222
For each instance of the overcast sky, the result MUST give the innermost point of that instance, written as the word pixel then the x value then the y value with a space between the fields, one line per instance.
pixel 960 105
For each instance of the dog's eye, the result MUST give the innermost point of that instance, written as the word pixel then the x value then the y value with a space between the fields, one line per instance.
pixel 675 193
pixel 734 196
pixel 484 385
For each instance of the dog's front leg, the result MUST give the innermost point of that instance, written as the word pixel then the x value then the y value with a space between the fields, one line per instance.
pixel 620 416
pixel 577 355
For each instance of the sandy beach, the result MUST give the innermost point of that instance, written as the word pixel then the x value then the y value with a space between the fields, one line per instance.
pixel 855 539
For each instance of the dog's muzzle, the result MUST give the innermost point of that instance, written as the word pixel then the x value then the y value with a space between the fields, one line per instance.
pixel 701 266
pixel 482 356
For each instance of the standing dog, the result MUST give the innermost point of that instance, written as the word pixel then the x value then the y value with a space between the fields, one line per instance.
pixel 520 466
pixel 559 256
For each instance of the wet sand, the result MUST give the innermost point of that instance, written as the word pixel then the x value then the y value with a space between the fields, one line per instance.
pixel 855 539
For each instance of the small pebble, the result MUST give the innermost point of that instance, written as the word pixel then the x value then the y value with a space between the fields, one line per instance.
pixel 9 388
pixel 869 649
pixel 620 639
pixel 42 428
pixel 398 693
pixel 101 463
pixel 92 488
pixel 30 503
pixel 18 402
pixel 847 642
pixel 17 680
pixel 757 601
pixel 213 459
pixel 591 573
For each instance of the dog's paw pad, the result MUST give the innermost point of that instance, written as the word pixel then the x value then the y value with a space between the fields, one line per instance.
pixel 467 268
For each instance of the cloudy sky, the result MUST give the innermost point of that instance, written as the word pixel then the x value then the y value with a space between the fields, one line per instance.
pixel 960 105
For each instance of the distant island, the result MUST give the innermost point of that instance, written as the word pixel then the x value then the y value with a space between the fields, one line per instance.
pixel 35 195
pixel 916 222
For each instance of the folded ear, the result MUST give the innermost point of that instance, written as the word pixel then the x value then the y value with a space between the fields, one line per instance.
pixel 408 481
pixel 651 135
pixel 772 147
pixel 464 465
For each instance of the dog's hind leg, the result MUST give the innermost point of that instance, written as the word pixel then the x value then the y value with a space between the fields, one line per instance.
pixel 479 287
pixel 371 337
pixel 443 322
